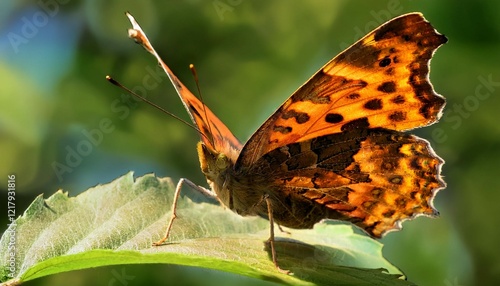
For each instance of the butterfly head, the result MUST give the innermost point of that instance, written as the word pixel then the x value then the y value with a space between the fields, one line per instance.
pixel 216 167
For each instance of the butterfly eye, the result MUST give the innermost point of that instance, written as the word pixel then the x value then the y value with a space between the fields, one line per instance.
pixel 222 162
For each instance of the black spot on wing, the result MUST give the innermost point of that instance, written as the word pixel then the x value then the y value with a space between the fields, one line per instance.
pixel 374 104
pixel 353 96
pixel 384 62
pixel 300 117
pixel 397 116
pixel 282 129
pixel 194 110
pixel 398 99
pixel 334 118
pixel 361 123
pixel 387 87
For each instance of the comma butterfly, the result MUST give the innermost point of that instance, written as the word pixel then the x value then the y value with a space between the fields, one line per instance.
pixel 335 149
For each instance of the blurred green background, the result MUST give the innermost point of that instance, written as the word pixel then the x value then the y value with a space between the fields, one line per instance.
pixel 250 56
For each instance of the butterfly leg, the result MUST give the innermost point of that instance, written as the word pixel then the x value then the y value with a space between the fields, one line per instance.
pixel 282 230
pixel 178 188
pixel 271 237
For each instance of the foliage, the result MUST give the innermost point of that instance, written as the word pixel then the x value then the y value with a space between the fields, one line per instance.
pixel 116 223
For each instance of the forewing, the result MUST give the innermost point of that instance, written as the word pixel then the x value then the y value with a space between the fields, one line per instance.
pixel 380 81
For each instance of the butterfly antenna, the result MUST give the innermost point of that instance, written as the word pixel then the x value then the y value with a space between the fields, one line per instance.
pixel 195 75
pixel 113 81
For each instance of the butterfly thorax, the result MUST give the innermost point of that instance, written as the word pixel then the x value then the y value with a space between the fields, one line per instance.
pixel 218 168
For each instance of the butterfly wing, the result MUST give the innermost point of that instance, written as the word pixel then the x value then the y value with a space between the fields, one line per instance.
pixel 373 178
pixel 214 134
pixel 380 81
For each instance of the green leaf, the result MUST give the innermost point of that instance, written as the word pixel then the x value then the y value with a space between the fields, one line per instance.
pixel 116 223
